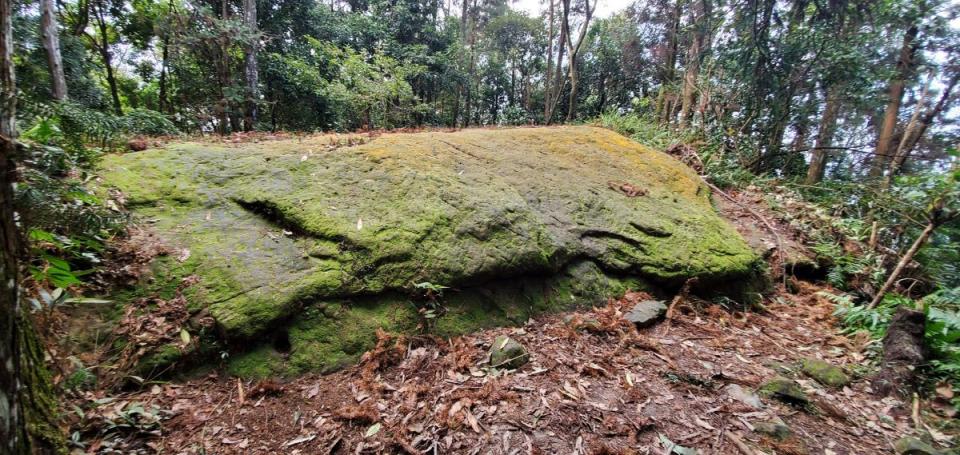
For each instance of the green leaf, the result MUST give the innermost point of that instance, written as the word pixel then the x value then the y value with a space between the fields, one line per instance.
pixel 184 336
pixel 374 429
pixel 61 278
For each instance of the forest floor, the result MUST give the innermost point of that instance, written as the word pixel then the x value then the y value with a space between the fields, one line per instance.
pixel 595 384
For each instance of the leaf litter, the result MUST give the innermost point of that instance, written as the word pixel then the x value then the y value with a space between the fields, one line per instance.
pixel 601 387
pixel 595 385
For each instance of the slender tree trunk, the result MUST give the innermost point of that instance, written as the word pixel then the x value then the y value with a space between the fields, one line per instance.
pixel 668 72
pixel 27 405
pixel 916 130
pixel 690 82
pixel 12 427
pixel 163 73
pixel 557 88
pixel 888 128
pixel 825 133
pixel 546 79
pixel 573 49
pixel 701 24
pixel 250 66
pixel 104 47
pixel 51 43
pixel 900 154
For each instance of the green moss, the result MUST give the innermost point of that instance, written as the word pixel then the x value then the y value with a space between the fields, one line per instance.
pixel 37 395
pixel 825 373
pixel 327 337
pixel 154 362
pixel 517 222
pixel 261 362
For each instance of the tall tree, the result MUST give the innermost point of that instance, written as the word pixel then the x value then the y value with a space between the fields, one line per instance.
pixel 251 71
pixel 50 32
pixel 573 49
pixel 12 426
pixel 896 88
pixel 100 40
pixel 700 19
pixel 825 133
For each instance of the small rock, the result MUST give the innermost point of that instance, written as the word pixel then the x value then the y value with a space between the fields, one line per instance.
pixel 507 353
pixel 137 144
pixel 737 393
pixel 913 446
pixel 579 322
pixel 825 373
pixel 774 429
pixel 781 368
pixel 646 313
pixel 786 390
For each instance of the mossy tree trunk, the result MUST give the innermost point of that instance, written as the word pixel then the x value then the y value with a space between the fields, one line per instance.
pixel 27 403
pixel 12 429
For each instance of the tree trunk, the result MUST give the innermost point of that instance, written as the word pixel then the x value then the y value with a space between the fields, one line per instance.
pixel 573 49
pixel 671 36
pixel 104 48
pixel 546 80
pixel 904 351
pixel 904 261
pixel 554 97
pixel 163 74
pixel 51 42
pixel 916 130
pixel 825 133
pixel 700 22
pixel 250 65
pixel 12 427
pixel 27 405
pixel 897 84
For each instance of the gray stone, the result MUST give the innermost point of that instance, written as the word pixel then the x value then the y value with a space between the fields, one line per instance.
pixel 738 393
pixel 774 429
pixel 786 390
pixel 825 373
pixel 508 353
pixel 581 322
pixel 913 446
pixel 646 313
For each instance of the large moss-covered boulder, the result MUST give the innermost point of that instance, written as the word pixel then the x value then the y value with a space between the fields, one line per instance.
pixel 317 247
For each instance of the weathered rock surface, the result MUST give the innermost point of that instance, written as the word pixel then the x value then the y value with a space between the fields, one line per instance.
pixel 786 390
pixel 746 397
pixel 913 446
pixel 824 373
pixel 646 313
pixel 308 250
pixel 505 352
pixel 775 429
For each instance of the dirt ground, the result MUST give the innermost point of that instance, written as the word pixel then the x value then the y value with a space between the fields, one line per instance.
pixel 594 385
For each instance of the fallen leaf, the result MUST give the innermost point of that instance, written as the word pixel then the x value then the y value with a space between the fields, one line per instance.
pixel 374 429
pixel 294 442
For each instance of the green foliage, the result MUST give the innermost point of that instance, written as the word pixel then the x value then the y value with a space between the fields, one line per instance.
pixel 942 335
pixel 430 303
pixel 66 223
pixel 149 123
pixel 644 130
pixel 857 317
